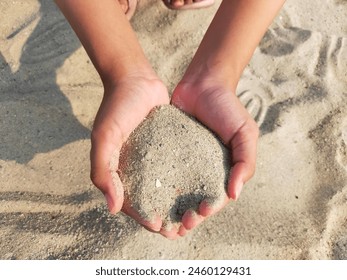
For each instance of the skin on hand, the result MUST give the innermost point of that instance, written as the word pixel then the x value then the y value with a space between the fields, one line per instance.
pixel 131 90
pixel 220 110
pixel 206 91
pixel 123 108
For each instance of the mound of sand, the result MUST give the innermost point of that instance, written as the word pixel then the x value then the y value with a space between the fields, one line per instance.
pixel 171 163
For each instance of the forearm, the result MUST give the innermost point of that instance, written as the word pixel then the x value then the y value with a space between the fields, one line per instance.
pixel 231 39
pixel 107 37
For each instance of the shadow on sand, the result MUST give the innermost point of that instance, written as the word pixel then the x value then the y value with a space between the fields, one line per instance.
pixel 35 116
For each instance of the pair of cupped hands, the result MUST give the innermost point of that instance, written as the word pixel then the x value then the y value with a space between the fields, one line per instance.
pixel 128 101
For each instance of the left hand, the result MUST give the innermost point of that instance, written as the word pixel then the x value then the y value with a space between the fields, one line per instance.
pixel 219 109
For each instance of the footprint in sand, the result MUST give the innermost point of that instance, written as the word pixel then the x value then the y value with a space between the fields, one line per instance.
pixel 281 41
pixel 171 163
pixel 330 193
pixel 254 103
pixel 254 96
pixel 326 69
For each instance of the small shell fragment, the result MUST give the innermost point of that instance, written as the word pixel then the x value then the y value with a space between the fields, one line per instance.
pixel 157 183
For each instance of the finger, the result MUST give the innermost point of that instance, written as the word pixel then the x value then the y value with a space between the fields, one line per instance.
pixel 105 179
pixel 238 176
pixel 191 219
pixel 124 5
pixel 244 151
pixel 153 225
pixel 182 231
pixel 207 209
pixel 169 231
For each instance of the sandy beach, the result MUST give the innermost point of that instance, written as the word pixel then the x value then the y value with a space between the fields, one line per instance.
pixel 295 87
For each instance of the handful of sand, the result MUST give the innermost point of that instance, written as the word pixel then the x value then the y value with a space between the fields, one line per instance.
pixel 171 163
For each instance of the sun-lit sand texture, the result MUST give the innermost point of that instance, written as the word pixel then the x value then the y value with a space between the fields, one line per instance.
pixel 295 86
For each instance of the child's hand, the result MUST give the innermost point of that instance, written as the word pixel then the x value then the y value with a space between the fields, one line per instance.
pixel 220 110
pixel 123 108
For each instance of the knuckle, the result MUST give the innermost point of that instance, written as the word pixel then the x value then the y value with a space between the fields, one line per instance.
pixel 98 181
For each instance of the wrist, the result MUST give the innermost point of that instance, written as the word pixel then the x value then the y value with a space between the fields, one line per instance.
pixel 211 75
pixel 125 74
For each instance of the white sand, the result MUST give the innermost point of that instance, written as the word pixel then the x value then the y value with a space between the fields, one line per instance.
pixel 295 87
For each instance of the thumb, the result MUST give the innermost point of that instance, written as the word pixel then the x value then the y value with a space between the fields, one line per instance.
pixel 104 164
pixel 244 152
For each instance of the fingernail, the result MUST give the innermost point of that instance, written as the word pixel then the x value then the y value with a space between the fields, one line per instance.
pixel 109 203
pixel 238 190
pixel 235 194
pixel 192 213
pixel 155 223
